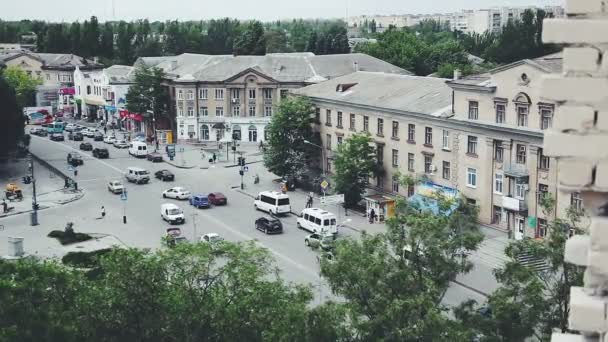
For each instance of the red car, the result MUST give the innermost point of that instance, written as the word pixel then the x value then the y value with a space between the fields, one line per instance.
pixel 217 198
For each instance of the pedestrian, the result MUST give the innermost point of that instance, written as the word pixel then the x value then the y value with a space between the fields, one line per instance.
pixel 4 206
pixel 105 130
pixel 156 144
pixel 309 201
pixel 372 216
pixel 214 158
pixel 75 172
pixel 103 211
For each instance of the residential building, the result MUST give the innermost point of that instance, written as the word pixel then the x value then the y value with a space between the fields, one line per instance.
pixel 216 98
pixel 16 47
pixel 484 141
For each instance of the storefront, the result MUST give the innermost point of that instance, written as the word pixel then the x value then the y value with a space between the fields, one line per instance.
pixel 66 101
pixel 131 122
pixel 383 207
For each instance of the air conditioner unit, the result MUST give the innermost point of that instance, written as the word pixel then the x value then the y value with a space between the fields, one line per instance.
pixel 433 168
pixel 526 187
pixel 235 100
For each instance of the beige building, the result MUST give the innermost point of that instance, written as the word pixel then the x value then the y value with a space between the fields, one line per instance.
pixel 479 136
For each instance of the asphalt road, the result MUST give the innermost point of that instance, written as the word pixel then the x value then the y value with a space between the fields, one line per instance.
pixel 145 228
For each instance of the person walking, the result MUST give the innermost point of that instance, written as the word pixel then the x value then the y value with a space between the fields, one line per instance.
pixel 309 200
pixel 4 206
pixel 103 211
pixel 214 158
pixel 372 216
pixel 105 130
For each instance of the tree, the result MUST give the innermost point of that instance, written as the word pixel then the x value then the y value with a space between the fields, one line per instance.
pixel 147 95
pixel 175 43
pixel 23 84
pixel 354 165
pixel 106 45
pixel 11 119
pixel 124 43
pixel 221 35
pixel 75 38
pixel 252 40
pixel 286 153
pixel 276 41
pixel 90 38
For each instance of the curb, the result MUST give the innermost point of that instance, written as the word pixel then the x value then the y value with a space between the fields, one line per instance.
pixel 73 199
pixel 179 166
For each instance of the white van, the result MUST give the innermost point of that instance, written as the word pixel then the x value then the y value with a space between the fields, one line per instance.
pixel 138 175
pixel 138 149
pixel 319 221
pixel 272 202
pixel 172 213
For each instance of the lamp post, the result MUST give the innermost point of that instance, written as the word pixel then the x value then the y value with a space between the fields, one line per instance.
pixel 34 214
pixel 322 155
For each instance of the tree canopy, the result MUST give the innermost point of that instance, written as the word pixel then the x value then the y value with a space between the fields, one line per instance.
pixel 355 162
pixel 11 118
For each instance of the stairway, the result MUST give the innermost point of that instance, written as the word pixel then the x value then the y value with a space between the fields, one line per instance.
pixel 536 264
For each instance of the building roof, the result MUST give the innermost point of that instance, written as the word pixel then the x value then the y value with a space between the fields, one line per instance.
pixel 53 60
pixel 413 94
pixel 282 67
pixel 120 73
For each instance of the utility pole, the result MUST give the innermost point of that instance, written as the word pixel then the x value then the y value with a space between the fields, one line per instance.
pixel 242 168
pixel 194 223
pixel 34 214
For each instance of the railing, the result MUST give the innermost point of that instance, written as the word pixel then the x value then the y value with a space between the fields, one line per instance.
pixel 515 170
pixel 514 204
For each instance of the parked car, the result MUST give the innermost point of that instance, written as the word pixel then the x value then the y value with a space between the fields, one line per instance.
pixel 76 136
pixel 89 132
pixel 116 187
pixel 98 136
pixel 41 132
pixel 121 144
pixel 85 146
pixel 33 130
pixel 175 237
pixel 57 137
pixel 101 153
pixel 164 175
pixel 326 242
pixel 155 157
pixel 172 213
pixel 70 127
pixel 138 175
pixel 218 198
pixel 177 193
pixel 199 201
pixel 269 225
pixel 75 159
pixel 109 139
pixel 212 238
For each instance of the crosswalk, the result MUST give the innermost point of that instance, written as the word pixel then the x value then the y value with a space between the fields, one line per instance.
pixel 491 253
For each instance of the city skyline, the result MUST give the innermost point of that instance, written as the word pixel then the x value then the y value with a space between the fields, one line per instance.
pixel 272 10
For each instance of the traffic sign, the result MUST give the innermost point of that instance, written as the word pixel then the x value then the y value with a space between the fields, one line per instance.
pixel 123 195
pixel 246 168
pixel 70 168
pixel 324 184
pixel 335 199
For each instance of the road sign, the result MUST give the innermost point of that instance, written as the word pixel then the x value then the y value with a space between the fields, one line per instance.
pixel 70 168
pixel 123 195
pixel 246 168
pixel 324 184
pixel 335 199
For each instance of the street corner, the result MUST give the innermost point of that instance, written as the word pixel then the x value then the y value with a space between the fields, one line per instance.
pixel 179 165
pixel 75 196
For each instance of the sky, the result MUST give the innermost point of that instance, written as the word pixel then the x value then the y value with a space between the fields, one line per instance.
pixel 265 10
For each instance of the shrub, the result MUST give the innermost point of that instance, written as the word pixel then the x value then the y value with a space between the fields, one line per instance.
pixel 84 259
pixel 69 237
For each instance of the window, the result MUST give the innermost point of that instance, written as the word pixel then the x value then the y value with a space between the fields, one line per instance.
pixel 352 122
pixel 29 73
pixel 190 95
pixel 203 93
pixel 428 136
pixel 191 131
pixel 328 117
pixel 366 124
pixel 576 201
pixel 268 111
pixel 446 172
pixel 395 184
pixel 411 190
pixel 328 165
pixel 428 164
pixel 204 111
pixel 380 127
pixel 235 94
pixel 328 141
pixel 180 94
pixel 219 94
pixel 219 111
pixel 48 77
pixel 445 143
pixel 500 113
pixel 520 189
pixel 284 93
pixel 472 145
pixel 88 90
pixel 499 179
pixel 543 192
pixel 410 162
pixel 473 110
pixel 411 133
pixel 251 110
pixel 180 112
pixel 471 177
pixel 395 158
pixel 522 116
pixel 544 162
pixel 267 94
pixel 339 125
pixel 395 130
pixel 521 154
pixel 252 94
pixel 546 118
pixel 541 228
pixel 497 215
pixel 236 111
pixel 340 140
pixel 190 112
pixel 499 151
pixel 380 154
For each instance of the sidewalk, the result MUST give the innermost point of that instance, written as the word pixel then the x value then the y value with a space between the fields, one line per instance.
pixel 197 156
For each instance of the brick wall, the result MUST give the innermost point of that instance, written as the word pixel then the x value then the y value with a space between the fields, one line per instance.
pixel 580 142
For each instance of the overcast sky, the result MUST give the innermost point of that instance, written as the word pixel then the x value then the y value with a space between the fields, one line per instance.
pixel 70 10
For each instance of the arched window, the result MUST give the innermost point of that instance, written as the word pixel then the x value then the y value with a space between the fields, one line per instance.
pixel 253 133
pixel 236 132
pixel 522 106
pixel 204 132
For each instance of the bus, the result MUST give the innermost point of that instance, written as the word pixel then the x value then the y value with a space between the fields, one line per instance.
pixel 55 127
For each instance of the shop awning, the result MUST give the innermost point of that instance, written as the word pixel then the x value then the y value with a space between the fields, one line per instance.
pixel 94 101
pixel 110 108
pixel 219 125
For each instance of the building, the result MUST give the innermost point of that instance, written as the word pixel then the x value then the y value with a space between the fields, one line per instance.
pixel 56 71
pixel 216 98
pixel 480 136
pixel 14 47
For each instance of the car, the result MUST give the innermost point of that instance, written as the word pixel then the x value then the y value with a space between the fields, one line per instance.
pixel 121 144
pixel 89 132
pixel 172 213
pixel 177 193
pixel 101 153
pixel 199 201
pixel 57 137
pixel 327 256
pixel 218 198
pixel 33 130
pixel 70 127
pixel 98 136
pixel 75 159
pixel 115 187
pixel 175 237
pixel 164 175
pixel 269 225
pixel 154 157
pixel 326 242
pixel 109 139
pixel 76 136
pixel 138 175
pixel 39 131
pixel 212 238
pixel 85 146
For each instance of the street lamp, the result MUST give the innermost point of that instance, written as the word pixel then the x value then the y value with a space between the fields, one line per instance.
pixel 322 155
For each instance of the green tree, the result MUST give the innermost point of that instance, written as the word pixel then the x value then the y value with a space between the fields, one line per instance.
pixel 90 38
pixel 23 84
pixel 75 35
pixel 276 41
pixel 106 45
pixel 11 119
pixel 286 153
pixel 124 43
pixel 147 95
pixel 221 35
pixel 252 40
pixel 354 165
pixel 175 43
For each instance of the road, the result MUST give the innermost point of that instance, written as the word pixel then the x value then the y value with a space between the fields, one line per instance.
pixel 145 228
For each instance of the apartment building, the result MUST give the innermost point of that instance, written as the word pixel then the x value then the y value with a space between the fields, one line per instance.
pixel 216 98
pixel 479 136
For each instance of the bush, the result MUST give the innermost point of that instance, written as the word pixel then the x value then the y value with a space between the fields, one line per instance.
pixel 69 237
pixel 84 259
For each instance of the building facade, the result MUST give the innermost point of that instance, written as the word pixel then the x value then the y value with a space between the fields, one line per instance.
pixel 480 137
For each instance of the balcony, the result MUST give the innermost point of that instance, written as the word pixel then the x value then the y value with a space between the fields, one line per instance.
pixel 251 101
pixel 514 204
pixel 515 170
pixel 267 101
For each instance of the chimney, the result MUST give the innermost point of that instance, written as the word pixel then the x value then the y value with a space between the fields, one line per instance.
pixel 173 65
pixel 356 65
pixel 457 74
